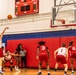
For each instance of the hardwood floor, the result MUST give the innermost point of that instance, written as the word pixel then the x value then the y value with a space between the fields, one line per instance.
pixel 34 72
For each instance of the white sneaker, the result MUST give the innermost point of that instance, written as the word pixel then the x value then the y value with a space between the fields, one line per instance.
pixel 72 73
pixel 65 74
pixel 17 69
pixel 1 72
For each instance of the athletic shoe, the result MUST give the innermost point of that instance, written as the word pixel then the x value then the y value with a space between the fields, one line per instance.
pixel 39 73
pixel 72 73
pixel 1 72
pixel 17 69
pixel 49 74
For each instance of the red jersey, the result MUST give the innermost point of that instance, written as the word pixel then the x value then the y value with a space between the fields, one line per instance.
pixel 43 49
pixel 1 52
pixel 72 49
pixel 43 55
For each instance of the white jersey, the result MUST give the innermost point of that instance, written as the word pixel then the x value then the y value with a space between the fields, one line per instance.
pixel 8 57
pixel 62 51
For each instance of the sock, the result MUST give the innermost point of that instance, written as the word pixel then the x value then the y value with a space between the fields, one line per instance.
pixel 0 68
pixel 39 70
pixel 17 67
pixel 73 71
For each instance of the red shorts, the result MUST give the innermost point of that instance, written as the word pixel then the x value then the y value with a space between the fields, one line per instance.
pixel 61 59
pixel 1 53
pixel 43 57
pixel 73 55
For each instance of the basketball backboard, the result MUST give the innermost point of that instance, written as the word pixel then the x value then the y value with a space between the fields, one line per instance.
pixel 63 2
pixel 64 13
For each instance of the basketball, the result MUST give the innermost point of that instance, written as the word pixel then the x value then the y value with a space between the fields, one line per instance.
pixel 9 16
pixel 61 20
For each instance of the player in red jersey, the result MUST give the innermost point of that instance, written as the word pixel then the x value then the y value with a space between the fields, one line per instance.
pixel 43 54
pixel 72 50
pixel 1 52
pixel 61 56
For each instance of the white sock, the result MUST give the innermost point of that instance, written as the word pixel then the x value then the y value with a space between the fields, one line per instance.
pixel 39 70
pixel 73 71
pixel 0 68
pixel 17 67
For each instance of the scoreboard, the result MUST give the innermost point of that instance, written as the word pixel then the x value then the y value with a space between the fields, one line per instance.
pixel 26 7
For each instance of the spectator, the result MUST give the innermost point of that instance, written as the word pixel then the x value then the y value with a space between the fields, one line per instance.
pixel 23 56
pixel 17 58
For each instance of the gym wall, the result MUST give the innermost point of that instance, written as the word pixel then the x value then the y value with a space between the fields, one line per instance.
pixel 29 41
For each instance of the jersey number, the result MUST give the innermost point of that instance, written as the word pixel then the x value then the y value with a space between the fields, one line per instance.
pixel 61 50
pixel 43 48
pixel 73 48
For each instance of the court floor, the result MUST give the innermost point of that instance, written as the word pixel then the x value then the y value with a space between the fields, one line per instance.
pixel 34 72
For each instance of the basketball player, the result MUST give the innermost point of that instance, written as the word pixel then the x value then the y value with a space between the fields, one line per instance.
pixel 61 56
pixel 8 58
pixel 3 49
pixel 1 52
pixel 43 55
pixel 72 50
pixel 23 55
